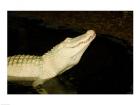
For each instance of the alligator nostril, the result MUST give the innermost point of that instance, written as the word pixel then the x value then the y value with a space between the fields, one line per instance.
pixel 91 32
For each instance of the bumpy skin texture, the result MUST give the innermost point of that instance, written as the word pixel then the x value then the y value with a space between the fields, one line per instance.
pixel 56 61
pixel 24 66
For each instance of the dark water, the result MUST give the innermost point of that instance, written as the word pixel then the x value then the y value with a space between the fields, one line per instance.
pixel 105 68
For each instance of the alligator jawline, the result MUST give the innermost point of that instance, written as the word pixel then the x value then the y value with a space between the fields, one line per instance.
pixel 82 42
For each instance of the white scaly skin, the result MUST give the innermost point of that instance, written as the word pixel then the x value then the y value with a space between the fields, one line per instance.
pixel 56 61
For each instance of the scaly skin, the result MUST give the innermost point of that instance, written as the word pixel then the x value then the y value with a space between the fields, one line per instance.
pixel 56 61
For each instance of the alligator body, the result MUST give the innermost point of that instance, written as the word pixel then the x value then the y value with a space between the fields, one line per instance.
pixel 60 58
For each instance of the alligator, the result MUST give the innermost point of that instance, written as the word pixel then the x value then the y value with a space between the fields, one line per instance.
pixel 59 59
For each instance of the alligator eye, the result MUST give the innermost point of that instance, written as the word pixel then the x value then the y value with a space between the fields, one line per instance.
pixel 68 39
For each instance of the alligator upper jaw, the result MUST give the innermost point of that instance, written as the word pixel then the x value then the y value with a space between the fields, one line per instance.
pixel 83 39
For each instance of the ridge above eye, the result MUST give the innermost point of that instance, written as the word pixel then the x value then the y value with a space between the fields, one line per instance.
pixel 68 39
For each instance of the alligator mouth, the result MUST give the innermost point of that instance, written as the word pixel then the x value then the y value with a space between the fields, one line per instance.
pixel 83 39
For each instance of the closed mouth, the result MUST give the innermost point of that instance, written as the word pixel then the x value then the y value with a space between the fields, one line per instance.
pixel 86 41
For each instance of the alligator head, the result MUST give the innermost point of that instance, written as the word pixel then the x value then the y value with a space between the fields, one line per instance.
pixel 69 52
